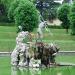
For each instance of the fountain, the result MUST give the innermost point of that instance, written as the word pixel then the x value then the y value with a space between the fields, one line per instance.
pixel 25 55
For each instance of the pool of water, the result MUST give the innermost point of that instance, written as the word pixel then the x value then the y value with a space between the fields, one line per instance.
pixel 7 69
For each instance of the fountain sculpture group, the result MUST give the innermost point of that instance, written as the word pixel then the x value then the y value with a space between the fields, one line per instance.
pixel 26 55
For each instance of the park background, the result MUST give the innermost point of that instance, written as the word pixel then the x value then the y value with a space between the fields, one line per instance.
pixel 51 10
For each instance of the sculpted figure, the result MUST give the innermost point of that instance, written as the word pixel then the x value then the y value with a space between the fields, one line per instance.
pixel 18 55
pixel 41 27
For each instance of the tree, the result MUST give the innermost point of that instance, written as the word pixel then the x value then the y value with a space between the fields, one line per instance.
pixel 63 12
pixel 11 9
pixel 4 5
pixel 47 8
pixel 25 14
pixel 68 1
pixel 72 19
pixel 2 9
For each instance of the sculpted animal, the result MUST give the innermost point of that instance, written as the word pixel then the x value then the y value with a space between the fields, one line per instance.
pixel 46 53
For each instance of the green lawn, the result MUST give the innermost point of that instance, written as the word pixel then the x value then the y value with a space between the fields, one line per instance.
pixel 7 38
pixel 5 66
pixel 63 40
pixel 7 69
pixel 65 59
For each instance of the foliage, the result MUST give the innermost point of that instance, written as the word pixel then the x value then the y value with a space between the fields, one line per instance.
pixel 2 9
pixel 14 4
pixel 33 1
pixel 72 18
pixel 2 12
pixel 26 15
pixel 47 8
pixel 4 5
pixel 11 9
pixel 63 12
pixel 53 9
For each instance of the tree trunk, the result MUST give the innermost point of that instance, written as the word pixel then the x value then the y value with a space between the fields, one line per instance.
pixel 67 30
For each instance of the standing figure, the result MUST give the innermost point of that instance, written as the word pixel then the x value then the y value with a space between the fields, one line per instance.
pixel 41 27
pixel 20 52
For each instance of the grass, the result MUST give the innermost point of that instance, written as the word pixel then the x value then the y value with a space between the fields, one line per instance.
pixel 60 37
pixel 7 38
pixel 7 69
pixel 65 59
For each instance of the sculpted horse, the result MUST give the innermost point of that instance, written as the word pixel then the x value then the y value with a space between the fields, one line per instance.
pixel 46 53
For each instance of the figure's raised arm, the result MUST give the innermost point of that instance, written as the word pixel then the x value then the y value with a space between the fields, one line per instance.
pixel 47 29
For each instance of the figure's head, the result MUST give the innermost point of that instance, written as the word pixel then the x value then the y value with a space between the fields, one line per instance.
pixel 45 23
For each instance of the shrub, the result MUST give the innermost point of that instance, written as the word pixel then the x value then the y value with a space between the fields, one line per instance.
pixel 72 18
pixel 24 13
pixel 11 9
pixel 63 12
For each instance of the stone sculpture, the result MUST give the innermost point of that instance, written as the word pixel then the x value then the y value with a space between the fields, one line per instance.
pixel 42 25
pixel 19 54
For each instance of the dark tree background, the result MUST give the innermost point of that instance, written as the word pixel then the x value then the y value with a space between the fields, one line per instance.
pixel 47 8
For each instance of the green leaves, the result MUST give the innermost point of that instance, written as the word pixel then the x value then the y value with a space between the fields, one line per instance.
pixel 72 18
pixel 25 14
pixel 63 12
